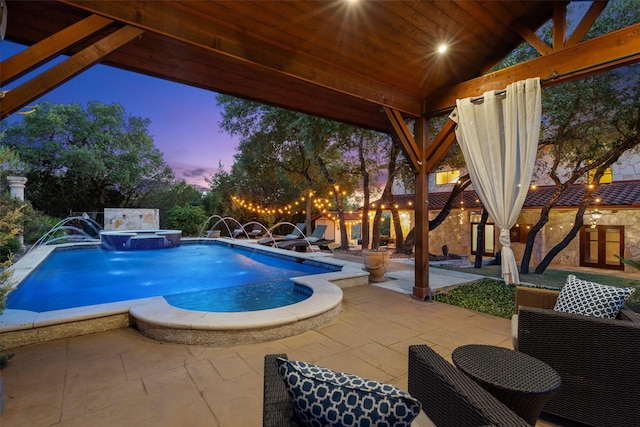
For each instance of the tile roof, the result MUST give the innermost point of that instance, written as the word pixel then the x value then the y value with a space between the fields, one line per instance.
pixel 615 194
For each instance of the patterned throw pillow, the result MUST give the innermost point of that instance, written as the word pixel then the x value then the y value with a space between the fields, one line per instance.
pixel 322 398
pixel 591 299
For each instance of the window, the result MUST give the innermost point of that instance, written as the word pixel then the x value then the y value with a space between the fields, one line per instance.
pixel 607 176
pixel 447 177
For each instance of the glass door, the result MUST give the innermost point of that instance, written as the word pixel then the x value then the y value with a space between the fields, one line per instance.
pixel 489 239
pixel 599 246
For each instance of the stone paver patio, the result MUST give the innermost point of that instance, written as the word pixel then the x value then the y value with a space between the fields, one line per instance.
pixel 121 378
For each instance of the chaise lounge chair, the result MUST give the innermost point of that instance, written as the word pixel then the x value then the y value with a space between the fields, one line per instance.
pixel 315 239
pixel 296 233
pixel 252 233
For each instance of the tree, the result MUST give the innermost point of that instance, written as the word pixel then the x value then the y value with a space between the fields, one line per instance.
pixel 364 151
pixel 84 160
pixel 394 166
pixel 283 155
pixel 179 193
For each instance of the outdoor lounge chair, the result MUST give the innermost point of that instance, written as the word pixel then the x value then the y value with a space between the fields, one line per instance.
pixel 315 238
pixel 596 358
pixel 295 234
pixel 242 231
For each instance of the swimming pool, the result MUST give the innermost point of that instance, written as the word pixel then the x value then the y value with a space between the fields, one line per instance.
pixel 154 317
pixel 204 277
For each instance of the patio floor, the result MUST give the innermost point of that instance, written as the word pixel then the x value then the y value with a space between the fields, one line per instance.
pixel 121 378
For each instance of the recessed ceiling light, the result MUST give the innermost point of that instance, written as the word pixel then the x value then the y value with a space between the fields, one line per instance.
pixel 442 48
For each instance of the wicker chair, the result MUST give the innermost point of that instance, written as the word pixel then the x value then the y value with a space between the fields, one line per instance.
pixel 449 397
pixel 276 409
pixel 596 358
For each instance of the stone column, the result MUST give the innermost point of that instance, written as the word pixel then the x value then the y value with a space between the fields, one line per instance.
pixel 16 186
pixel 16 189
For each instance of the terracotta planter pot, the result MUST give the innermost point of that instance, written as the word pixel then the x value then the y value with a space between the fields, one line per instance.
pixel 376 263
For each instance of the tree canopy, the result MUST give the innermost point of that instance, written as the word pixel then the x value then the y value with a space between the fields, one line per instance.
pixel 284 155
pixel 83 159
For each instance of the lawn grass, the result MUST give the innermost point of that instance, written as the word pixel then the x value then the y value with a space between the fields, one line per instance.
pixel 493 296
pixel 551 278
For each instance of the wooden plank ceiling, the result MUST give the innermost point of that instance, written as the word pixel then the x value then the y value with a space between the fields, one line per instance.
pixel 339 59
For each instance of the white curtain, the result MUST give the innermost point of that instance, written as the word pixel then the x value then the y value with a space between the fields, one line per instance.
pixel 498 135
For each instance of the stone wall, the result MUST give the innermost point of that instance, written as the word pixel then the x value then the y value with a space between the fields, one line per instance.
pixel 455 232
pixel 119 219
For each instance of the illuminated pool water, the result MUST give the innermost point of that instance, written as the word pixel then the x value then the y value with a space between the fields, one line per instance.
pixel 204 277
pixel 195 275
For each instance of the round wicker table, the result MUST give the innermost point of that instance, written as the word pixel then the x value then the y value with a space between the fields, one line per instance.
pixel 523 383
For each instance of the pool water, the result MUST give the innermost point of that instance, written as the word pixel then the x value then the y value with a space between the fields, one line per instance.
pixel 204 277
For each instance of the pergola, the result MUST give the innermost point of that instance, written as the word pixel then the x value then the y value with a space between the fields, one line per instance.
pixel 373 64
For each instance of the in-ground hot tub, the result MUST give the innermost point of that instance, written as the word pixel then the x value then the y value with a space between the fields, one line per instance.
pixel 139 239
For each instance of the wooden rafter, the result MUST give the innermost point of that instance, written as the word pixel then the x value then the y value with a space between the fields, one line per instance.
pixel 25 61
pixel 422 159
pixel 532 38
pixel 614 49
pixel 440 146
pixel 586 23
pixel 48 80
pixel 560 40
pixel 559 26
pixel 411 150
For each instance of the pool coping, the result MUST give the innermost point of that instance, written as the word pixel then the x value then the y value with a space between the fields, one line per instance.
pixel 155 318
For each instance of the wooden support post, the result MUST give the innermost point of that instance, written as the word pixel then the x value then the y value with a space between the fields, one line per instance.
pixel 421 289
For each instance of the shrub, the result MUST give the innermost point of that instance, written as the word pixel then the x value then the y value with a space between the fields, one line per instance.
pixel 36 225
pixel 11 246
pixel 187 218
pixel 490 296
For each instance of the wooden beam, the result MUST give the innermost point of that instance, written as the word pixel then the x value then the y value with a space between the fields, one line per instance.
pixel 586 23
pixel 421 288
pixel 409 146
pixel 48 80
pixel 559 25
pixel 530 36
pixel 616 49
pixel 440 146
pixel 25 61
pixel 170 19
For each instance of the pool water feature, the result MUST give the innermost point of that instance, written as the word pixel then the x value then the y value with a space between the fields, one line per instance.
pixel 210 277
pixel 156 318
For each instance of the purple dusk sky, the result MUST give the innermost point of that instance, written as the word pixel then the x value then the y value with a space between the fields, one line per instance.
pixel 184 119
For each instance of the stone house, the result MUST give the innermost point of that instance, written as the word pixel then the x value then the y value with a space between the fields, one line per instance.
pixel 611 224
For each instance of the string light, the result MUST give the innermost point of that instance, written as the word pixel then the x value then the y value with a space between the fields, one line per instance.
pixel 319 204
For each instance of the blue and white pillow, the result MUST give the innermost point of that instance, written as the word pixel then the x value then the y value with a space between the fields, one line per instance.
pixel 591 299
pixel 322 398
